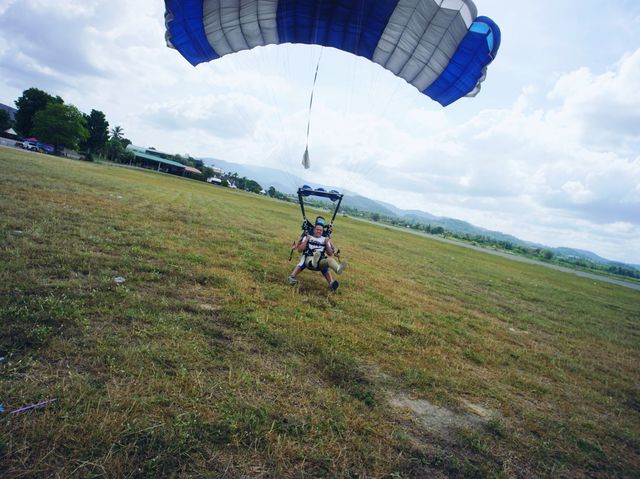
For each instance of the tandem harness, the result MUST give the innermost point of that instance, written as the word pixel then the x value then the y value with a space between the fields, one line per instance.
pixel 308 226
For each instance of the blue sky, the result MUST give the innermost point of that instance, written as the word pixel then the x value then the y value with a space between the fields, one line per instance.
pixel 549 151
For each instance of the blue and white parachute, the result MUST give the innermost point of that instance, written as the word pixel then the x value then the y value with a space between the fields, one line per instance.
pixel 442 47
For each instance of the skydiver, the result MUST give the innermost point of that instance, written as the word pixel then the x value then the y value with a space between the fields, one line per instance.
pixel 317 254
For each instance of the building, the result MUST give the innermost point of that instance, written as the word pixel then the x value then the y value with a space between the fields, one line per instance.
pixel 153 159
pixel 10 133
pixel 217 172
pixel 216 179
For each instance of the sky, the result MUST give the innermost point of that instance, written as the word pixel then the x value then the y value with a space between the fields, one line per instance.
pixel 549 151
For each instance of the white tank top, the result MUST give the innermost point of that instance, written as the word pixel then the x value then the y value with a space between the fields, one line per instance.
pixel 316 244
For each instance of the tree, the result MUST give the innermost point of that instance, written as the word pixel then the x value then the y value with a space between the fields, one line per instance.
pixel 240 183
pixel 98 128
pixel 5 120
pixel 126 156
pixel 207 173
pixel 114 149
pixel 375 217
pixel 117 133
pixel 252 186
pixel 547 254
pixel 29 104
pixel 60 125
pixel 198 164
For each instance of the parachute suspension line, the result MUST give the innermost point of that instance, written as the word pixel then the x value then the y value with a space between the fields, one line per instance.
pixel 372 95
pixel 265 60
pixel 282 57
pixel 305 157
pixel 363 170
pixel 355 104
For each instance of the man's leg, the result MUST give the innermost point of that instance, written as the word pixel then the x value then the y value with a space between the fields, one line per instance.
pixel 296 271
pixel 333 284
pixel 333 264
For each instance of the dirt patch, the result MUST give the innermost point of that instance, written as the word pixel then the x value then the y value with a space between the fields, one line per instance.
pixel 442 421
pixel 517 331
pixel 209 307
pixel 480 411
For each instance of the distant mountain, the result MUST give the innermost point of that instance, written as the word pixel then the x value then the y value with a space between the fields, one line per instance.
pixel 418 215
pixel 363 203
pixel 589 256
pixel 9 109
pixel 288 183
pixel 450 224
pixel 578 253
pixel 267 177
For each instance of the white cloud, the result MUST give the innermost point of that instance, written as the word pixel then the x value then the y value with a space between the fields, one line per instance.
pixel 604 107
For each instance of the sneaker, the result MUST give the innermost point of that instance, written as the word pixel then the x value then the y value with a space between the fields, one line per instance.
pixel 316 259
pixel 342 266
pixel 334 285
pixel 292 280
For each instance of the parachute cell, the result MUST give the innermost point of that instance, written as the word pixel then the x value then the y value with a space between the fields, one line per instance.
pixel 439 46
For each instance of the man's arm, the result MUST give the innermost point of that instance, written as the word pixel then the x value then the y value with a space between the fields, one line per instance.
pixel 328 248
pixel 303 244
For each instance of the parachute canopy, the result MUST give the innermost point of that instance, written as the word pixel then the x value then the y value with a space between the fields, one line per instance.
pixel 442 47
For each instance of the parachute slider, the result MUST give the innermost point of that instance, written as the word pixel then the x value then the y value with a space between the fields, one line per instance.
pixel 306 162
pixel 332 195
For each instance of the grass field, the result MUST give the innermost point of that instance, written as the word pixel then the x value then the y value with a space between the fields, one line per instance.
pixel 430 361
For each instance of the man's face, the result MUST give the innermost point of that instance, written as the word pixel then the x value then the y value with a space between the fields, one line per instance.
pixel 317 231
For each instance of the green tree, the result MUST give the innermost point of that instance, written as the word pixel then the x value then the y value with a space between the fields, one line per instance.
pixel 198 164
pixel 114 149
pixel 241 182
pixel 117 133
pixel 207 173
pixel 547 254
pixel 29 104
pixel 252 186
pixel 5 120
pixel 126 156
pixel 60 125
pixel 98 128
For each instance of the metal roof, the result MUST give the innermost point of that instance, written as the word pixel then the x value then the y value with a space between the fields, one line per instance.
pixel 147 156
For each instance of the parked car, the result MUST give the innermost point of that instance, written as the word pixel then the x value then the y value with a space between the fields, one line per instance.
pixel 49 149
